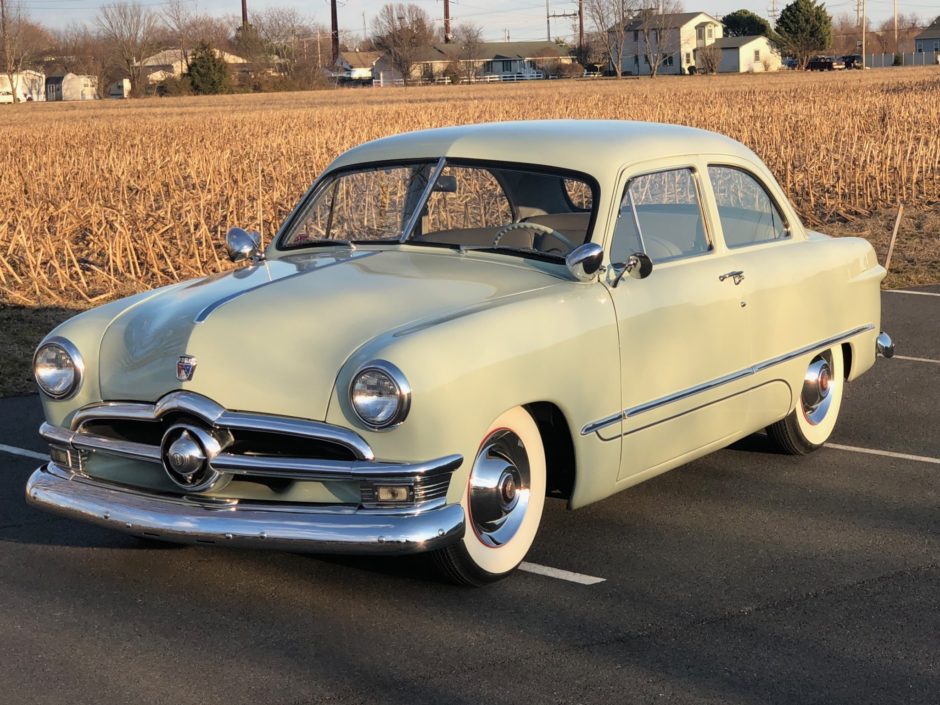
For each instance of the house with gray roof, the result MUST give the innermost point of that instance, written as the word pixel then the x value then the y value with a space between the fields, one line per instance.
pixel 492 60
pixel 929 39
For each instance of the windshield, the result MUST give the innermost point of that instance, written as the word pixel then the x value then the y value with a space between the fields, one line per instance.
pixel 524 210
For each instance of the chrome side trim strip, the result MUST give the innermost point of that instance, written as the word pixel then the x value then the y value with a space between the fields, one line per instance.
pixel 357 532
pixel 602 423
pixel 595 426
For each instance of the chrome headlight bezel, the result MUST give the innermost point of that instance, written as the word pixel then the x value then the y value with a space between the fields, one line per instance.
pixel 78 367
pixel 402 394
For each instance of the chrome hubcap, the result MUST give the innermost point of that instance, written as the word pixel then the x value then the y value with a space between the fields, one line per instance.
pixel 499 488
pixel 818 385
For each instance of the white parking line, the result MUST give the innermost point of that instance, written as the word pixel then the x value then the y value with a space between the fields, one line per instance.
pixel 916 359
pixel 25 453
pixel 560 574
pixel 886 453
pixel 916 293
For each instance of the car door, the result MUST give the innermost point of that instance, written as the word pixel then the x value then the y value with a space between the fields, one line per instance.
pixel 684 344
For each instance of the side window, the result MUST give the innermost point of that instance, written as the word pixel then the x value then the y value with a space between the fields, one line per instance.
pixel 747 213
pixel 660 215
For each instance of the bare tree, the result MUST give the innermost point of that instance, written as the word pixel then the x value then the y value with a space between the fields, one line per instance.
pixel 131 31
pixel 610 19
pixel 659 33
pixel 283 30
pixel 707 59
pixel 179 17
pixel 20 42
pixel 468 37
pixel 402 31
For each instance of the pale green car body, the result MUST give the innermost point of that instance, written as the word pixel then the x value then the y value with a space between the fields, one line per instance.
pixel 637 378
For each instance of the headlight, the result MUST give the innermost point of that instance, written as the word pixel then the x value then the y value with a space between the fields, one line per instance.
pixel 380 394
pixel 58 368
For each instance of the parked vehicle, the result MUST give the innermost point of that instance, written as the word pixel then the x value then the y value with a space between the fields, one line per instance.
pixel 452 325
pixel 853 61
pixel 825 63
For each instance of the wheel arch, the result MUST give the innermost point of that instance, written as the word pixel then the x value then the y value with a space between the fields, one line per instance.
pixel 558 444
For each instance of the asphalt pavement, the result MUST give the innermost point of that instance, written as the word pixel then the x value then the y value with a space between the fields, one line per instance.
pixel 745 577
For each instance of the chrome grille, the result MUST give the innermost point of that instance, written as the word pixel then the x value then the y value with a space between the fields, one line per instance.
pixel 256 447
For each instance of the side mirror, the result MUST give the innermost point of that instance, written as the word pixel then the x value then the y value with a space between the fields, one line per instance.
pixel 445 184
pixel 242 245
pixel 638 266
pixel 584 261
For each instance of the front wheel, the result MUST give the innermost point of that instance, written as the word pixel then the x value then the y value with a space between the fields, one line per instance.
pixel 502 502
pixel 811 423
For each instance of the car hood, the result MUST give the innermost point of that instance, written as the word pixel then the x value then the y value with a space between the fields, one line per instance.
pixel 272 337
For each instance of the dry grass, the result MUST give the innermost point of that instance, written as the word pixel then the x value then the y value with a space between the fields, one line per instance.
pixel 100 200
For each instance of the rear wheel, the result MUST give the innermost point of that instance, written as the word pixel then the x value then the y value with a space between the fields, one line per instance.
pixel 811 423
pixel 503 503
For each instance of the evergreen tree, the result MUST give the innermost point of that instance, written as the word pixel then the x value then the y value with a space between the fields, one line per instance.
pixel 208 73
pixel 804 29
pixel 744 23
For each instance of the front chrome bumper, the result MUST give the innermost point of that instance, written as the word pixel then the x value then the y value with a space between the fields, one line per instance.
pixel 292 528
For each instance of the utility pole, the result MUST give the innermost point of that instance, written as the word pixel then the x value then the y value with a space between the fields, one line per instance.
pixel 580 30
pixel 773 11
pixel 365 33
pixel 548 23
pixel 334 30
pixel 863 33
pixel 447 35
pixel 244 15
pixel 895 26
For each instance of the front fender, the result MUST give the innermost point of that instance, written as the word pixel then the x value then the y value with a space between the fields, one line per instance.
pixel 558 345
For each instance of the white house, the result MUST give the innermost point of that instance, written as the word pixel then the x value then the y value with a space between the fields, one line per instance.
pixel 747 55
pixel 173 63
pixel 72 87
pixel 676 40
pixel 929 39
pixel 28 86
pixel 673 36
pixel 357 66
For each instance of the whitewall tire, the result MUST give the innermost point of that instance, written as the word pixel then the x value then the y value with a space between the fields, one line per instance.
pixel 819 400
pixel 502 502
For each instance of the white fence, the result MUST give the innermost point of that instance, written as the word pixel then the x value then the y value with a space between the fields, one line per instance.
pixel 923 58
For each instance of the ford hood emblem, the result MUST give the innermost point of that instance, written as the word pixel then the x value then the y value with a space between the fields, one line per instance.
pixel 185 368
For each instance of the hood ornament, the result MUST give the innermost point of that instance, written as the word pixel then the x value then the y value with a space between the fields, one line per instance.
pixel 185 368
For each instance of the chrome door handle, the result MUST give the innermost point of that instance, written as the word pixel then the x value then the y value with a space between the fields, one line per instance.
pixel 737 276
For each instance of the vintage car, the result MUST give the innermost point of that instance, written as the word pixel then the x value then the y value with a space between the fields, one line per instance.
pixel 452 325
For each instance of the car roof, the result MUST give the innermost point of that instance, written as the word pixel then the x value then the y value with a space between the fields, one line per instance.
pixel 596 147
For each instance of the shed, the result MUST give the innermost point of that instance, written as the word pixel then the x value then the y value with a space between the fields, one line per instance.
pixel 72 87
pixel 751 54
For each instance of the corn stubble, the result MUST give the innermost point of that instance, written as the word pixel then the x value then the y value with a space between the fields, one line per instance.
pixel 102 200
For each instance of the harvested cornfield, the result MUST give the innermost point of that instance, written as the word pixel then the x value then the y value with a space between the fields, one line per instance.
pixel 98 200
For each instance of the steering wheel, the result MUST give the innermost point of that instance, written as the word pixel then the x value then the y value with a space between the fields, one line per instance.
pixel 537 227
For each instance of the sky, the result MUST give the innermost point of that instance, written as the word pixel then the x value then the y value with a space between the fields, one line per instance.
pixel 522 19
